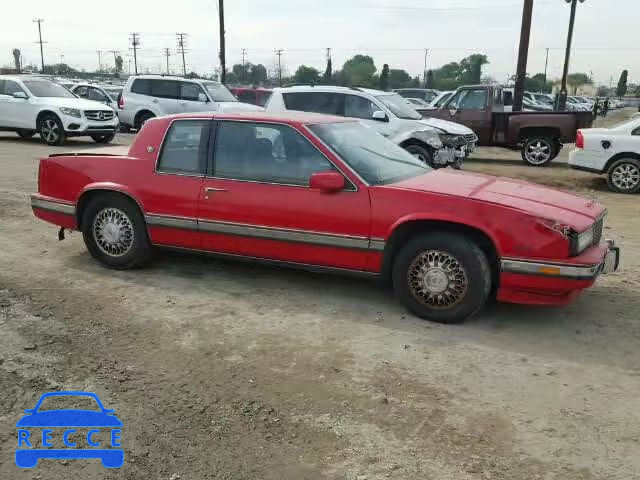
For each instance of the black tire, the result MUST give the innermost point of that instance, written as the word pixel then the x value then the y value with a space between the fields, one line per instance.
pixel 51 130
pixel 103 138
pixel 142 118
pixel 623 176
pixel 422 153
pixel 24 133
pixel 467 268
pixel 125 128
pixel 114 211
pixel 538 151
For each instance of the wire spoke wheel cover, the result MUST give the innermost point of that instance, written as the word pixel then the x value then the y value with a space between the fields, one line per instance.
pixel 113 232
pixel 50 130
pixel 538 151
pixel 626 176
pixel 437 279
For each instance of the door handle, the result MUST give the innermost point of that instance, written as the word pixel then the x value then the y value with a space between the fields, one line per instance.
pixel 209 190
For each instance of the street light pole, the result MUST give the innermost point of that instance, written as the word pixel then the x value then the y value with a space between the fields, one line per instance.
pixel 562 98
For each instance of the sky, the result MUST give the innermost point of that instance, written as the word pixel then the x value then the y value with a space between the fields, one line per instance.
pixel 396 32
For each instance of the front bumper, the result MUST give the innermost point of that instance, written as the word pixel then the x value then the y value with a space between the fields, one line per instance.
pixel 75 127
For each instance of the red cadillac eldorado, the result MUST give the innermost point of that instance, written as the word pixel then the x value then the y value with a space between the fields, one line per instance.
pixel 328 193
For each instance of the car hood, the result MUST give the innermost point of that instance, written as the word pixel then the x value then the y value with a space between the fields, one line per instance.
pixel 577 212
pixel 448 127
pixel 69 418
pixel 226 107
pixel 78 103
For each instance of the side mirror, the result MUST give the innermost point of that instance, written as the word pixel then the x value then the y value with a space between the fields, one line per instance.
pixel 380 116
pixel 202 97
pixel 328 181
pixel 20 95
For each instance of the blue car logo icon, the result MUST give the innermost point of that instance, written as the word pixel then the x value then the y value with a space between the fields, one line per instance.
pixel 67 423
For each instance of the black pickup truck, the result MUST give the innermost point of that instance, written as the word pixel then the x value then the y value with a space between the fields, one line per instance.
pixel 538 135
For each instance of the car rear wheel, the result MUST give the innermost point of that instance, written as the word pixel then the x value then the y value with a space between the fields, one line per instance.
pixel 115 232
pixel 142 119
pixel 421 153
pixel 442 277
pixel 51 130
pixel 623 176
pixel 103 138
pixel 23 133
pixel 539 151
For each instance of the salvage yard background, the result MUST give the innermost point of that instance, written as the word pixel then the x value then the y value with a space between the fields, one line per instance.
pixel 233 371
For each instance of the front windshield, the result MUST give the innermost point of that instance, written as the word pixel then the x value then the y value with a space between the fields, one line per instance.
pixel 627 124
pixel 377 160
pixel 399 106
pixel 219 92
pixel 443 99
pixel 45 88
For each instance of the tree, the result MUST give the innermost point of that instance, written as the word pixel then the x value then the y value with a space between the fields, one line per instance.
pixel 308 75
pixel 326 78
pixel 621 90
pixel 471 68
pixel 16 59
pixel 429 80
pixel 400 79
pixel 537 84
pixel 359 71
pixel 384 78
pixel 576 80
pixel 119 63
pixel 258 74
pixel 603 91
pixel 241 72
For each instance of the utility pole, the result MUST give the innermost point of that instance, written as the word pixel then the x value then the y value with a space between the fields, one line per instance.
pixel 39 21
pixel 562 98
pixel 424 72
pixel 99 60
pixel 279 54
pixel 244 52
pixel 223 63
pixel 115 56
pixel 167 52
pixel 546 63
pixel 135 43
pixel 523 54
pixel 180 38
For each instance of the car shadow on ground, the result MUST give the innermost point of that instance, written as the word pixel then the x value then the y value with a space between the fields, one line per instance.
pixel 589 330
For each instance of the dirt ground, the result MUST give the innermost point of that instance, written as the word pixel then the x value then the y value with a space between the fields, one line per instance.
pixel 233 371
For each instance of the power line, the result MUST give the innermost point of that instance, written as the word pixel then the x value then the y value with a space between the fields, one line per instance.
pixel 39 21
pixel 180 37
pixel 135 43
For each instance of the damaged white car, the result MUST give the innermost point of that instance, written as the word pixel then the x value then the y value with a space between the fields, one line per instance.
pixel 438 143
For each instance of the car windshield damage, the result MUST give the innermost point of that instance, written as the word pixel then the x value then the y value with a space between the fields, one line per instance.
pixel 219 92
pixel 377 160
pixel 399 106
pixel 45 88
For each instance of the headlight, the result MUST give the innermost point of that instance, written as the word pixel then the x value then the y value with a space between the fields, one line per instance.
pixel 429 137
pixel 453 140
pixel 72 112
pixel 580 242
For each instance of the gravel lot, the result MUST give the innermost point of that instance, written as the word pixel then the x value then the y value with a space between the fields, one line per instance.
pixel 232 371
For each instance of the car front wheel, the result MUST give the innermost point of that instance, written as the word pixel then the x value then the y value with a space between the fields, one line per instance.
pixel 421 153
pixel 623 176
pixel 115 232
pixel 442 277
pixel 51 130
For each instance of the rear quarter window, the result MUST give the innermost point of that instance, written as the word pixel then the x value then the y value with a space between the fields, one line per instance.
pixel 317 102
pixel 141 86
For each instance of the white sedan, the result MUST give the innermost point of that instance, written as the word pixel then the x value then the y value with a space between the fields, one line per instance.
pixel 612 151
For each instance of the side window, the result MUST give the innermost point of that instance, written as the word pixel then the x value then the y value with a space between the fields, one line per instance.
pixel 165 89
pixel 11 87
pixel 141 86
pixel 470 100
pixel 318 102
pixel 508 98
pixel 497 96
pixel 636 131
pixel 184 147
pixel 358 107
pixel 264 98
pixel 81 91
pixel 266 153
pixel 97 95
pixel 247 96
pixel 190 91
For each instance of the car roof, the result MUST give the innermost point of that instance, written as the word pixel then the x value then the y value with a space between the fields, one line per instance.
pixel 171 77
pixel 330 89
pixel 287 117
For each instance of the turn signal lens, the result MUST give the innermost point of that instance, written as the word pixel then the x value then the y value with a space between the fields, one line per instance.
pixel 549 270
pixel 579 139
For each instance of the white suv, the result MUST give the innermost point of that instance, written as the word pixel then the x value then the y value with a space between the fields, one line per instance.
pixel 148 96
pixel 436 142
pixel 30 104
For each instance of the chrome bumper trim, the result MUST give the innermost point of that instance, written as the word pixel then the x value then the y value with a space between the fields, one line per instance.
pixel 52 205
pixel 546 269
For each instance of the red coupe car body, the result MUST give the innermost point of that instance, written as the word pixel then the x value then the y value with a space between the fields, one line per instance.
pixel 524 229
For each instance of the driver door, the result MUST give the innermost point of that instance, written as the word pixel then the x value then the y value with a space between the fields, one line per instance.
pixel 356 106
pixel 469 107
pixel 193 99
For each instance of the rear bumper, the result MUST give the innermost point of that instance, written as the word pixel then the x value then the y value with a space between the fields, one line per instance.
pixel 537 282
pixel 57 212
pixel 581 160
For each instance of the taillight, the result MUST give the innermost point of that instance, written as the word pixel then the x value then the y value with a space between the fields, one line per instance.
pixel 579 139
pixel 120 102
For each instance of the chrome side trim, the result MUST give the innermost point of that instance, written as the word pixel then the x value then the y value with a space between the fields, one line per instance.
pixel 525 267
pixel 264 232
pixel 280 263
pixel 52 206
pixel 287 235
pixel 184 223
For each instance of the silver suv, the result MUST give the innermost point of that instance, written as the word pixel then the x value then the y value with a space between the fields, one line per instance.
pixel 148 96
